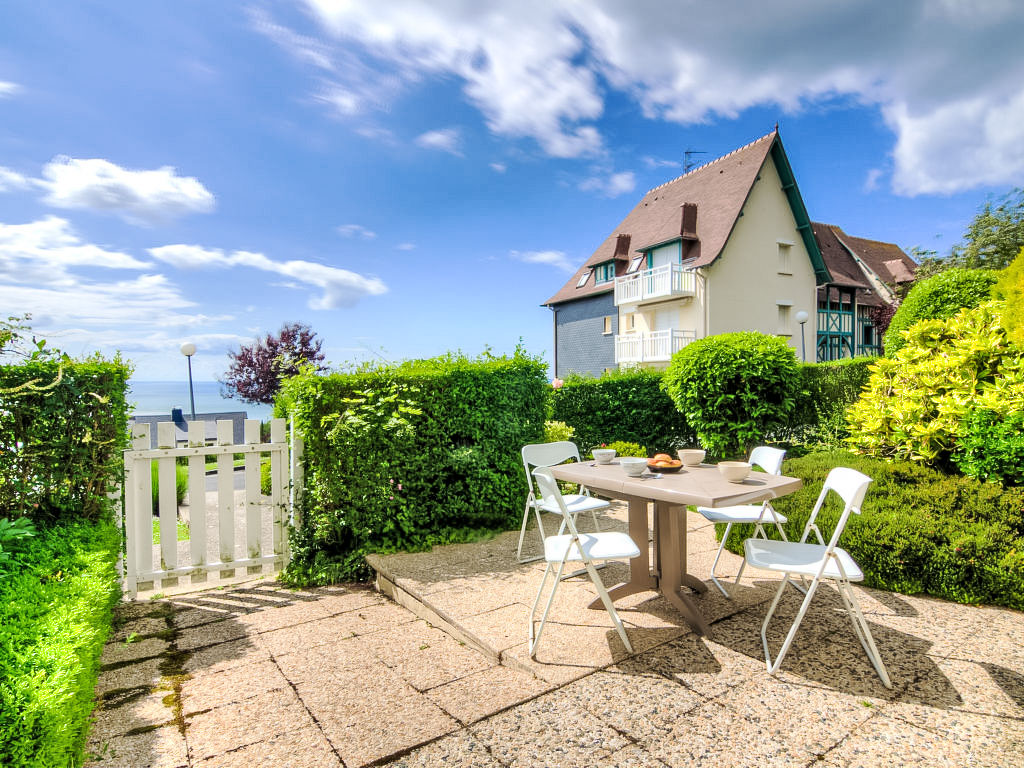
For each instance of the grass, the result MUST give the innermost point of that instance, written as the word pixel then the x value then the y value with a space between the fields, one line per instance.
pixel 182 531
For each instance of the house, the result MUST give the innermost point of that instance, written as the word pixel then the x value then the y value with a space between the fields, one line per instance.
pixel 726 247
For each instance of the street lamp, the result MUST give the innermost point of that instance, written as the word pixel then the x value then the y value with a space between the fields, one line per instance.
pixel 188 349
pixel 801 317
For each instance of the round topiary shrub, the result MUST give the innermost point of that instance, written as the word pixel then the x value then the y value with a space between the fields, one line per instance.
pixel 936 298
pixel 734 389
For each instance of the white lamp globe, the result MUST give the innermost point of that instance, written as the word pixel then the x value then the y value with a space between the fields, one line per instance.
pixel 188 349
pixel 801 317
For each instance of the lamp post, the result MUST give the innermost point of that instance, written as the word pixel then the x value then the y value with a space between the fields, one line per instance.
pixel 188 349
pixel 801 317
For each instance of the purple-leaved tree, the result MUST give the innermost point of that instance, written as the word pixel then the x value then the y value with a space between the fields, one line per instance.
pixel 257 369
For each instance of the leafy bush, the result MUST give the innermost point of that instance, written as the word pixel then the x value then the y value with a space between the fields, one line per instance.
pixel 920 531
pixel 557 431
pixel 938 297
pixel 734 389
pixel 55 615
pixel 620 405
pixel 1010 288
pixel 826 391
pixel 180 484
pixel 63 425
pixel 408 456
pixel 13 535
pixel 917 401
pixel 622 448
pixel 991 446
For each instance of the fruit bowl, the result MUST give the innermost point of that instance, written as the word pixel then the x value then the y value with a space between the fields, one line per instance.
pixel 672 465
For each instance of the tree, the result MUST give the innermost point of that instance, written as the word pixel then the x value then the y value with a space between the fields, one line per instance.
pixel 258 369
pixel 995 236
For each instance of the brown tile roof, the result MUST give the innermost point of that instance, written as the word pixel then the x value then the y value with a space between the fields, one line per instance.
pixel 719 189
pixel 840 263
pixel 887 260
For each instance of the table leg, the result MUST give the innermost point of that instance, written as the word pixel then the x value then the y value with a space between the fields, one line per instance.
pixel 671 523
pixel 640 578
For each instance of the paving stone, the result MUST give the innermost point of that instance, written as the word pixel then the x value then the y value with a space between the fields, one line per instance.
pixel 500 628
pixel 302 748
pixel 142 674
pixel 117 715
pixel 425 656
pixel 324 662
pixel 384 615
pixel 121 651
pixel 966 686
pixel 141 627
pixel 230 686
pixel 367 717
pixel 158 748
pixel 460 749
pixel 218 658
pixel 483 693
pixel 238 725
pixel 345 600
pixel 290 615
pixel 550 730
pixel 210 634
pixel 303 637
pixel 633 756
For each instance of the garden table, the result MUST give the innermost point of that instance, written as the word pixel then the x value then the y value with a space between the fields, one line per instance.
pixel 701 485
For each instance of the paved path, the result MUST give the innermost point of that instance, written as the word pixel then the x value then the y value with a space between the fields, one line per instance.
pixel 342 676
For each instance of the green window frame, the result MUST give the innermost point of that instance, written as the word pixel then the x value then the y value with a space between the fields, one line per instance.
pixel 604 273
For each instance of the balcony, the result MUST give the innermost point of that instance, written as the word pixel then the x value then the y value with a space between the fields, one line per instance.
pixel 653 347
pixel 662 282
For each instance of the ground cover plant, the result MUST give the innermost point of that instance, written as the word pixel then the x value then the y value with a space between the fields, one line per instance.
pixel 920 532
pixel 55 614
pixel 406 456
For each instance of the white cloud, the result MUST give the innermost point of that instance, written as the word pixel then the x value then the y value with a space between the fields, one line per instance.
pixel 557 259
pixel 11 180
pixel 654 163
pixel 542 69
pixel 7 88
pixel 406 246
pixel 872 179
pixel 443 139
pixel 339 287
pixel 139 197
pixel 356 230
pixel 612 186
pixel 499 167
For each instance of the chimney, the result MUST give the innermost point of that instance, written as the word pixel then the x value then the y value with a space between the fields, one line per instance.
pixel 689 224
pixel 622 246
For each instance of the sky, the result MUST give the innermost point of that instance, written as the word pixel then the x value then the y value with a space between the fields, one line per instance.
pixel 411 178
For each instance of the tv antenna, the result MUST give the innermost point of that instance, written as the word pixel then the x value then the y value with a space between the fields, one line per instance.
pixel 688 162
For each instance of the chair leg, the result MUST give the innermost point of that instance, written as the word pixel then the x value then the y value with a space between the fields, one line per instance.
pixel 774 667
pixel 860 625
pixel 608 604
pixel 522 533
pixel 718 554
pixel 535 639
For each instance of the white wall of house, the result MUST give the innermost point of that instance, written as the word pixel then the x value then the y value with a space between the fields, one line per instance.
pixel 763 276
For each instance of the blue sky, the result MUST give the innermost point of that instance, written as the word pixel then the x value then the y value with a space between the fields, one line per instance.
pixel 416 177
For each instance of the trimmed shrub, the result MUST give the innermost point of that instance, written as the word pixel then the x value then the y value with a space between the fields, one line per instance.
pixel 620 405
pixel 557 431
pixel 622 448
pixel 938 297
pixel 1010 288
pixel 63 425
pixel 826 391
pixel 180 484
pixel 734 389
pixel 991 446
pixel 920 531
pixel 408 456
pixel 55 615
pixel 918 401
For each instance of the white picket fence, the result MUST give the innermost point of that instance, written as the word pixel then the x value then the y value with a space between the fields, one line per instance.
pixel 146 564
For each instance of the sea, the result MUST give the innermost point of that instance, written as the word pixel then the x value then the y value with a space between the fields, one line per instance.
pixel 157 398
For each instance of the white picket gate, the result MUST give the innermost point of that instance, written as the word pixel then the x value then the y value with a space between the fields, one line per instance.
pixel 145 563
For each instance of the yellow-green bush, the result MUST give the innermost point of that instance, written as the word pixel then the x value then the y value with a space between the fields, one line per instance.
pixel 1010 288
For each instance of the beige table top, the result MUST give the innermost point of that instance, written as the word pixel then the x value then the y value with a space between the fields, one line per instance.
pixel 701 485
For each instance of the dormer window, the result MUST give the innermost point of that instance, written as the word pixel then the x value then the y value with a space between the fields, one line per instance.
pixel 604 273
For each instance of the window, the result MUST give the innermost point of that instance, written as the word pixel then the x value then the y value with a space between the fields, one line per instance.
pixel 784 324
pixel 630 322
pixel 634 265
pixel 785 258
pixel 583 279
pixel 604 273
pixel 607 324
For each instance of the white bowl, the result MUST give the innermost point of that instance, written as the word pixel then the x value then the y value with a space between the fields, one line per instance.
pixel 691 457
pixel 734 471
pixel 603 455
pixel 633 466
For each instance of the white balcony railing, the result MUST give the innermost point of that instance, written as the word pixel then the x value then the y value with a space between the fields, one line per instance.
pixel 658 283
pixel 653 347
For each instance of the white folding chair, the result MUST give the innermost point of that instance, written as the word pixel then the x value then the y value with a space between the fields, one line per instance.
pixel 770 460
pixel 576 547
pixel 818 561
pixel 548 455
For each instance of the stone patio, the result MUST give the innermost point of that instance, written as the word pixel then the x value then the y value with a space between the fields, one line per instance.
pixel 262 675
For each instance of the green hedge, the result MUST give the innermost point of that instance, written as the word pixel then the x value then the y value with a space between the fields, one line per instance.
pixel 55 615
pixel 920 531
pixel 826 390
pixel 63 425
pixel 621 405
pixel 409 456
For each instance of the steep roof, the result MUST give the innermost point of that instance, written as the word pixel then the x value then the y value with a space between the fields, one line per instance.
pixel 847 258
pixel 842 265
pixel 719 188
pixel 887 260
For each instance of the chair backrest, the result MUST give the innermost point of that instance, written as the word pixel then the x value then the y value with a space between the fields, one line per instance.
pixel 851 486
pixel 547 455
pixel 767 458
pixel 547 487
